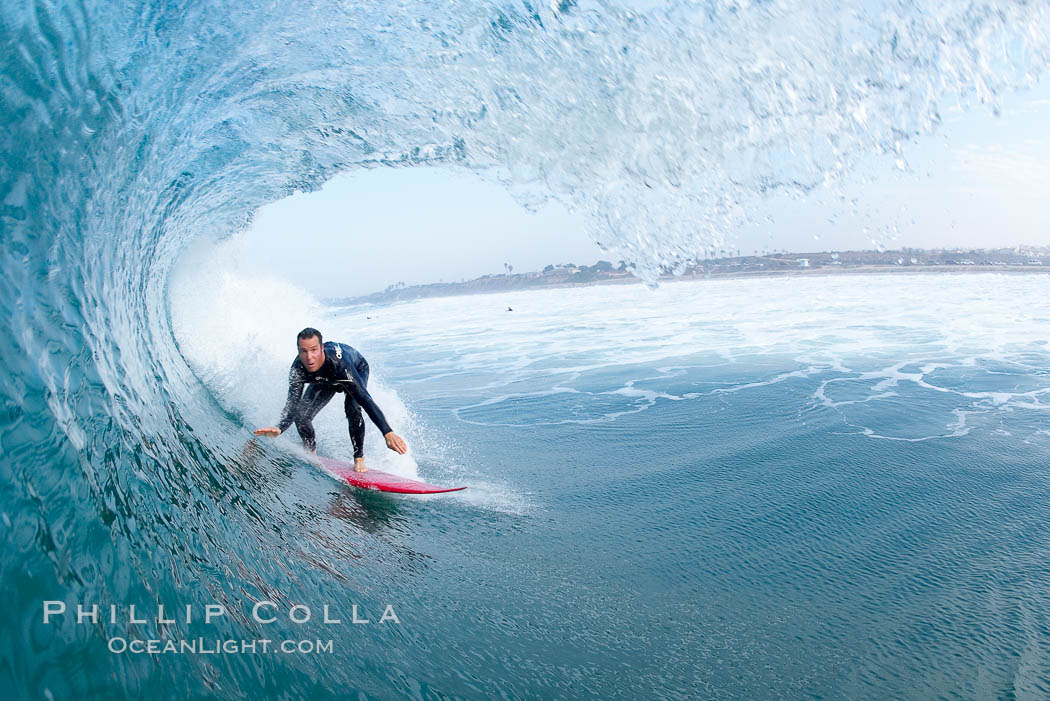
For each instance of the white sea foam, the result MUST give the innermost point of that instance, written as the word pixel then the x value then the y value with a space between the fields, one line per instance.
pixel 858 341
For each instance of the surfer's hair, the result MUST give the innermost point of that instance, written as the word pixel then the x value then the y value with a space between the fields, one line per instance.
pixel 309 332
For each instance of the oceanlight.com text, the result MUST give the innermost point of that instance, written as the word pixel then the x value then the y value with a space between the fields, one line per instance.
pixel 214 646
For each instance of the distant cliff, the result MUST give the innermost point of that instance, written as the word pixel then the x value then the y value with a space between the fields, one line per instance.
pixel 1018 259
pixel 551 276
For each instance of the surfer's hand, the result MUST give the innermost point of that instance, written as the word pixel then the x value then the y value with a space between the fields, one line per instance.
pixel 396 443
pixel 273 432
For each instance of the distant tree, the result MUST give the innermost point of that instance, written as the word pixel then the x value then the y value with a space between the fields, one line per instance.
pixel 585 275
pixel 509 267
pixel 548 269
pixel 603 266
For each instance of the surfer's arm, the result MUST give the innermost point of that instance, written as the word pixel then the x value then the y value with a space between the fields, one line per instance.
pixel 362 397
pixel 291 405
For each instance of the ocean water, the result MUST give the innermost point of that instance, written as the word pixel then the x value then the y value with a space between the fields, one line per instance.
pixel 776 488
pixel 736 489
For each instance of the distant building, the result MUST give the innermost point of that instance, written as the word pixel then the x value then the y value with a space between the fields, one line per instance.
pixel 802 262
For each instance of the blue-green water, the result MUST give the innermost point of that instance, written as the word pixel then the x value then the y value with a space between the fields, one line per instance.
pixel 779 488
pixel 797 506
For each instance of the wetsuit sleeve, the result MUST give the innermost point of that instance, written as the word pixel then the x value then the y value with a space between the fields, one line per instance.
pixel 295 393
pixel 362 397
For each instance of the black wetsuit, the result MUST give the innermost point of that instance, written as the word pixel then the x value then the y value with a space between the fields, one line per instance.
pixel 344 370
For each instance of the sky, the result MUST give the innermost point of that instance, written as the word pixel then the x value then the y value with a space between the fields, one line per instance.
pixel 414 225
pixel 979 181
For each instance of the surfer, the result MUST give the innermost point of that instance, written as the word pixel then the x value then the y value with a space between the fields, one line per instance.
pixel 329 368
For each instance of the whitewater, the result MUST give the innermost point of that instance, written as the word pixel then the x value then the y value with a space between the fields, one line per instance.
pixel 728 489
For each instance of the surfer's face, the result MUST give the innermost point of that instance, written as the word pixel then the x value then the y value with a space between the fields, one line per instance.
pixel 311 355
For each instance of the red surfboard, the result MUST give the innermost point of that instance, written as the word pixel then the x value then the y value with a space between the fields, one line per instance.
pixel 380 481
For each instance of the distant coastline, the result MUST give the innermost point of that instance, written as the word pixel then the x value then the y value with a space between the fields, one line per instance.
pixel 1023 259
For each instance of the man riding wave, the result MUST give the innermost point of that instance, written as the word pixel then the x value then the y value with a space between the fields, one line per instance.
pixel 329 368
